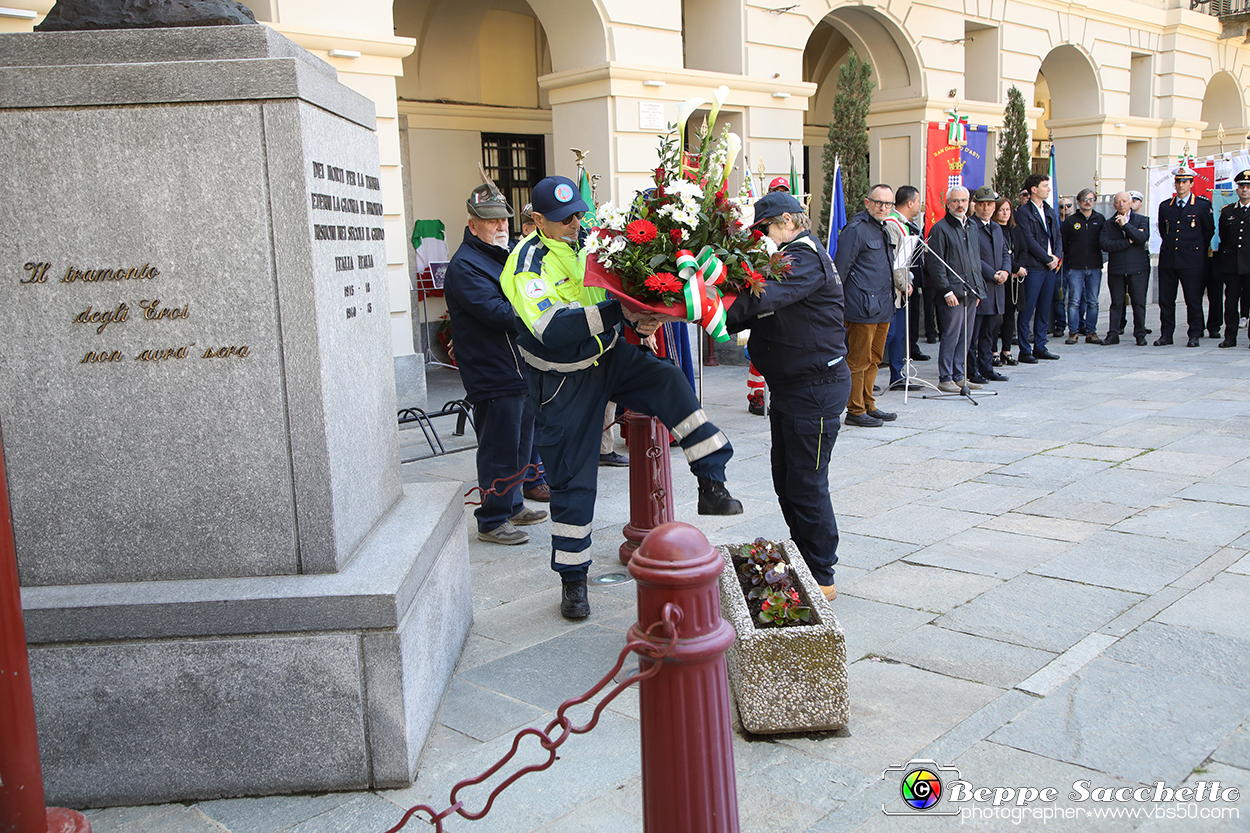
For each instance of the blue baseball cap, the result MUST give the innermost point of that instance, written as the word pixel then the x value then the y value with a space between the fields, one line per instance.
pixel 556 198
pixel 774 205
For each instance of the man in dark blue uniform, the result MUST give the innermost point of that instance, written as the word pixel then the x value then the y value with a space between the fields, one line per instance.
pixel 798 343
pixel 1235 256
pixel 483 329
pixel 1186 225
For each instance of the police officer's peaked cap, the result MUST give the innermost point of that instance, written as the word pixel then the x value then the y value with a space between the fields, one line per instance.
pixel 527 213
pixel 985 194
pixel 556 197
pixel 1184 172
pixel 1242 178
pixel 1136 195
pixel 774 205
pixel 779 183
pixel 486 202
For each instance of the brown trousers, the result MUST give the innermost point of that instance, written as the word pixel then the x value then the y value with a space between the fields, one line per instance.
pixel 865 344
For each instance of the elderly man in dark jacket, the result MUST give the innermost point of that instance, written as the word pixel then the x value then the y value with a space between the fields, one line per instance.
pixel 865 261
pixel 1125 238
pixel 483 329
pixel 995 270
pixel 956 272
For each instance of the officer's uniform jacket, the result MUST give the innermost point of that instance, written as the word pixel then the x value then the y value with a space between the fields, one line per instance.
pixel 798 336
pixel 1235 239
pixel 567 325
pixel 1186 233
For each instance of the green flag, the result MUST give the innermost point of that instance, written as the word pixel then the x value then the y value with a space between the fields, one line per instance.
pixel 588 220
pixel 794 174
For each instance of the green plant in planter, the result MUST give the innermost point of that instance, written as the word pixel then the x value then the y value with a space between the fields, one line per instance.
pixel 769 578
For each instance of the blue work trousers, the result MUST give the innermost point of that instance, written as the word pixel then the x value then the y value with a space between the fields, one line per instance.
pixel 570 410
pixel 805 425
pixel 1033 320
pixel 505 434
pixel 1082 289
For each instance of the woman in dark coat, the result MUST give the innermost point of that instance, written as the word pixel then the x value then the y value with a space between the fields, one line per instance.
pixel 1003 215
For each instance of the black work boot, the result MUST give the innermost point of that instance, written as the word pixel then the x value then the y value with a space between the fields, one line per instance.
pixel 573 601
pixel 714 499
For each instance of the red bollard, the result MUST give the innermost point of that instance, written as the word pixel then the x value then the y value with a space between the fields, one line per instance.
pixel 709 360
pixel 650 481
pixel 688 783
pixel 21 778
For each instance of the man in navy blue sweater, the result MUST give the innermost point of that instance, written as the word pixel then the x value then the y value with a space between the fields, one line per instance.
pixel 483 328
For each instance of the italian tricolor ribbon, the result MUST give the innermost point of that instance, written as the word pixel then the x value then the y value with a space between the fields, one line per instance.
pixel 703 299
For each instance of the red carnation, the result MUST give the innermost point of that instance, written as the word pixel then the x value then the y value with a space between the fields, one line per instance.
pixel 663 282
pixel 756 234
pixel 641 231
pixel 674 234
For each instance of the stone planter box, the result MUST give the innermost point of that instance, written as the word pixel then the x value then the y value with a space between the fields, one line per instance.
pixel 790 679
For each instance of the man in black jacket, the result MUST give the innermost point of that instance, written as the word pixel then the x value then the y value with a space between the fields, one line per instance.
pixel 798 343
pixel 483 327
pixel 1125 238
pixel 955 269
pixel 1082 263
pixel 1186 224
pixel 1235 256
pixel 865 262
pixel 1043 251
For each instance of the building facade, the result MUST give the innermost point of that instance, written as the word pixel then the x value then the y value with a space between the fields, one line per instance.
pixel 515 85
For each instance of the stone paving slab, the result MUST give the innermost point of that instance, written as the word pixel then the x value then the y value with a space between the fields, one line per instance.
pixel 915 524
pixel 1039 526
pixel 1091 511
pixel 1023 611
pixel 989 552
pixel 908 709
pixel 1235 750
pixel 164 818
pixel 871 627
pixel 1232 818
pixel 1193 521
pixel 543 675
pixel 1220 659
pixel 483 714
pixel 1140 724
pixel 1210 607
pixel 1125 562
pixel 922 588
pixel 983 497
pixel 973 658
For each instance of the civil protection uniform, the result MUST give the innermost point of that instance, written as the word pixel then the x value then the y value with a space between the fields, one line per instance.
pixel 571 340
pixel 1186 232
pixel 1235 262
pixel 798 342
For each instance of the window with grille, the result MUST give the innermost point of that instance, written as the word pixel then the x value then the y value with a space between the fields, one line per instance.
pixel 516 163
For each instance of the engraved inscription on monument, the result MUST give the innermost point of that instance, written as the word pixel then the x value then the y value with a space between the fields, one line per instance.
pixel 357 296
pixel 151 309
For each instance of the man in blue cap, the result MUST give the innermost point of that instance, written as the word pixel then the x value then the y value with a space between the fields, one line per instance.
pixel 571 341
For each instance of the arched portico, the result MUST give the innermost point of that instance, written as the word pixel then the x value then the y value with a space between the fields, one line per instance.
pixel 896 130
pixel 1068 91
pixel 1223 105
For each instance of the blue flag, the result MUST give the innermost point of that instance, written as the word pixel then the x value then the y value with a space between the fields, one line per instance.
pixel 837 209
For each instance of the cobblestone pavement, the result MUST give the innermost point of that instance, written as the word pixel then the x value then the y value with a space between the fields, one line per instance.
pixel 1049 587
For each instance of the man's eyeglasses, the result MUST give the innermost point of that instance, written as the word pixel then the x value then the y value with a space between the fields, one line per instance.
pixel 575 217
pixel 881 203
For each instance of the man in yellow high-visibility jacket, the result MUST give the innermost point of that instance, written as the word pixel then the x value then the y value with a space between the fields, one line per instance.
pixel 578 362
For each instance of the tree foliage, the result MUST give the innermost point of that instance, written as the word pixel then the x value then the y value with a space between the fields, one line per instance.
pixel 1014 163
pixel 848 138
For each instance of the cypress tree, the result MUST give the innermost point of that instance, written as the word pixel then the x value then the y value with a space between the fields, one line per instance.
pixel 1014 163
pixel 848 138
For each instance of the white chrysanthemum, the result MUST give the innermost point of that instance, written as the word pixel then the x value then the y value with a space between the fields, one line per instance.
pixel 610 216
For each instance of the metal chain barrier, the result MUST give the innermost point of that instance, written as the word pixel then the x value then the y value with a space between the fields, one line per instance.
pixel 647 647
